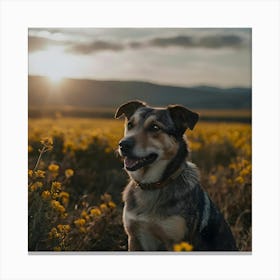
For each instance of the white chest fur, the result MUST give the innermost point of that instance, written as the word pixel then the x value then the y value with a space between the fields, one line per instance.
pixel 152 230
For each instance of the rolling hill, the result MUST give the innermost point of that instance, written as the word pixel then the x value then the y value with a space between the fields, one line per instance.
pixel 82 93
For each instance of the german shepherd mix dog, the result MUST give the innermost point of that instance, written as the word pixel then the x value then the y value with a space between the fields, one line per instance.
pixel 164 203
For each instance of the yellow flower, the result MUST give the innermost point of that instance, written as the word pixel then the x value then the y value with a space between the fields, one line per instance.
pixel 30 149
pixel 61 209
pixel 30 173
pixel 57 206
pixel 69 173
pixel 67 227
pixel 56 186
pixel 57 248
pixel 65 201
pixel 63 228
pixel 106 197
pixel 64 194
pixel 83 213
pixel 239 180
pixel 95 212
pixel 111 204
pixel 183 246
pixel 36 186
pixel 103 207
pixel 82 229
pixel 39 174
pixel 80 222
pixel 46 195
pixel 53 167
pixel 213 179
pixel 177 247
pixel 53 233
pixel 47 141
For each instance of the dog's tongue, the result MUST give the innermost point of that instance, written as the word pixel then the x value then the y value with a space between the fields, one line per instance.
pixel 129 162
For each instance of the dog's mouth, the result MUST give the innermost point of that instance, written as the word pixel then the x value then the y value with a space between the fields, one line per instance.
pixel 134 163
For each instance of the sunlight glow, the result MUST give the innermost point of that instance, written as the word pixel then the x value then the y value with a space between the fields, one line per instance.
pixel 55 78
pixel 54 63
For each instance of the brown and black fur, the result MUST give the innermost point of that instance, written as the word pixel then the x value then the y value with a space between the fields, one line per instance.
pixel 162 209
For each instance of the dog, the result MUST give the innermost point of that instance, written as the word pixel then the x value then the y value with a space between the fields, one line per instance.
pixel 164 203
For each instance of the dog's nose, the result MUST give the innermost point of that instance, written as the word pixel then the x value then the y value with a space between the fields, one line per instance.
pixel 126 145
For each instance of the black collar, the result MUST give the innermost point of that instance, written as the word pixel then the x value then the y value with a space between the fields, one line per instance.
pixel 161 184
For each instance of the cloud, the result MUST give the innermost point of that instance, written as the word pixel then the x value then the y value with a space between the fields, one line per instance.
pixel 214 41
pixel 177 41
pixel 36 43
pixel 96 46
pixel 221 41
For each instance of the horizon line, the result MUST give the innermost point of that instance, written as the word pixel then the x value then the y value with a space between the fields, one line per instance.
pixel 145 81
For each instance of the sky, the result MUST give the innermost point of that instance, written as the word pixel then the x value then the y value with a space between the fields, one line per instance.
pixel 181 56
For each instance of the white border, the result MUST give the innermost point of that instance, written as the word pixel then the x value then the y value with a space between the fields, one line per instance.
pixel 262 16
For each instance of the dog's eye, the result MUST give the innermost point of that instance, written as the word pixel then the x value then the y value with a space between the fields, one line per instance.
pixel 129 125
pixel 154 128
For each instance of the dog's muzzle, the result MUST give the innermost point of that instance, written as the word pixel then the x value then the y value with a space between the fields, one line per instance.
pixel 131 161
pixel 126 146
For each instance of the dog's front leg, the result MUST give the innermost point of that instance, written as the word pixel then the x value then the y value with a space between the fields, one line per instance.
pixel 134 244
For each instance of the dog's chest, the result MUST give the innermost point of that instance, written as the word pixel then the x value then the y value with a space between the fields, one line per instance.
pixel 152 231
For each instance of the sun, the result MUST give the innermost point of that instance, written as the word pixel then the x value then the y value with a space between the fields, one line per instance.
pixel 55 78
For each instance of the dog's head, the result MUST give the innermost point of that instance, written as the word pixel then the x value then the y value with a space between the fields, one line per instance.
pixel 152 138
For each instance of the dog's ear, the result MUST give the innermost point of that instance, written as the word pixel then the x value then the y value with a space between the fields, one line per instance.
pixel 182 117
pixel 129 108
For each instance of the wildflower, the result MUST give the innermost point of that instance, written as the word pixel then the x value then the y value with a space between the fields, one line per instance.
pixel 64 198
pixel 213 179
pixel 69 173
pixel 183 246
pixel 30 149
pixel 61 209
pixel 83 214
pixel 103 207
pixel 56 186
pixel 36 186
pixel 57 206
pixel 53 233
pixel 47 142
pixel 95 212
pixel 63 228
pixel 64 194
pixel 46 195
pixel 67 227
pixel 106 197
pixel 53 167
pixel 80 222
pixel 111 204
pixel 30 173
pixel 57 248
pixel 82 229
pixel 65 201
pixel 40 174
pixel 239 180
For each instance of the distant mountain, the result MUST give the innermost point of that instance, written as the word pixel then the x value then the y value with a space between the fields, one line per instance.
pixel 91 93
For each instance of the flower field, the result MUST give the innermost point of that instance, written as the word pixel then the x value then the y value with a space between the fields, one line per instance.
pixel 75 180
